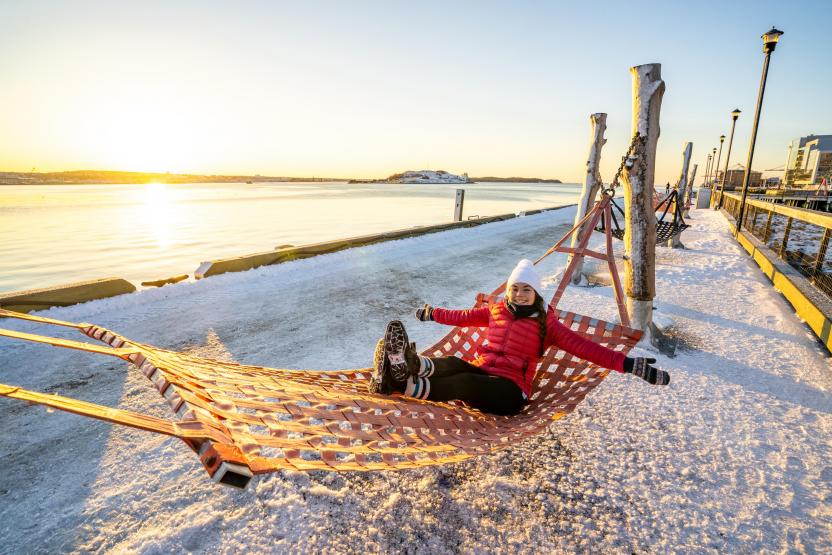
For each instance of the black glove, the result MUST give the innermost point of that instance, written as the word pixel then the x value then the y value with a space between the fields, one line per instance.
pixel 642 367
pixel 425 313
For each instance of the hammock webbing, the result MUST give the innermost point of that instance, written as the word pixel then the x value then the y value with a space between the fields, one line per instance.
pixel 244 420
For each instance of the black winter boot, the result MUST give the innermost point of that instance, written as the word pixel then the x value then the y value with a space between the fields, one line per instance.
pixel 381 381
pixel 400 353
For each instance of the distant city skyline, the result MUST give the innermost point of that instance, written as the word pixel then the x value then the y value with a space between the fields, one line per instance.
pixel 368 89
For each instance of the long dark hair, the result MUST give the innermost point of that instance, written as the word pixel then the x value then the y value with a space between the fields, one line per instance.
pixel 541 307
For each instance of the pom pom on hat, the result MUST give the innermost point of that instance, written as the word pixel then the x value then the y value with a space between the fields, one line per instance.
pixel 525 272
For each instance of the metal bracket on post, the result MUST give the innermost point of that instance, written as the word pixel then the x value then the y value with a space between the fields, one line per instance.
pixel 460 199
pixel 786 232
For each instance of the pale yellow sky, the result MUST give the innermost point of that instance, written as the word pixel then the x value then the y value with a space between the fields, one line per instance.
pixel 369 89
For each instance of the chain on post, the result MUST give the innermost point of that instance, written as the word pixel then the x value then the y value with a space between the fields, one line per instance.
pixel 624 159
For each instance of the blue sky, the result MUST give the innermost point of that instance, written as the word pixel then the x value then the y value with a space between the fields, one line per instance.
pixel 371 88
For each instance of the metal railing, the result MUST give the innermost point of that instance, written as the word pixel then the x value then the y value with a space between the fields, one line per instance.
pixel 798 236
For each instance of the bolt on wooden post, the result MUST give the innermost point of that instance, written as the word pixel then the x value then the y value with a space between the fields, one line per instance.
pixel 638 176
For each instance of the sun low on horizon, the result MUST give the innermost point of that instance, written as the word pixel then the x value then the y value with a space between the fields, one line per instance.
pixel 319 90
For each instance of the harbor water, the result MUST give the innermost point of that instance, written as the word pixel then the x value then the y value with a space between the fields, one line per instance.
pixel 56 234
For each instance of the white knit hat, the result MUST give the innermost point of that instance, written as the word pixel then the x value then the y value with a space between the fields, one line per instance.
pixel 525 272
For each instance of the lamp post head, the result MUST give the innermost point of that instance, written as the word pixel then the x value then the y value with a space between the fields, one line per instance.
pixel 735 114
pixel 714 150
pixel 770 39
pixel 722 139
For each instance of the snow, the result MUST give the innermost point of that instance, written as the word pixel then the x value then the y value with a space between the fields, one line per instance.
pixel 428 176
pixel 734 455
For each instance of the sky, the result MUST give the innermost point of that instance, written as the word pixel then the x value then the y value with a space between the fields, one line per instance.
pixel 371 88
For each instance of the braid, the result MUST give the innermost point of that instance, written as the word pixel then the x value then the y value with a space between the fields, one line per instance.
pixel 541 319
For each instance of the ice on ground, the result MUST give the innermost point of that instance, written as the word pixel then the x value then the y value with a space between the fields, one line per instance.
pixel 733 456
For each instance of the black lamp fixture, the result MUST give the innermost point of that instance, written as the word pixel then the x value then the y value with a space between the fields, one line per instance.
pixel 770 39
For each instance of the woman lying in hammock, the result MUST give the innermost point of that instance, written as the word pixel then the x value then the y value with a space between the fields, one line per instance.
pixel 499 381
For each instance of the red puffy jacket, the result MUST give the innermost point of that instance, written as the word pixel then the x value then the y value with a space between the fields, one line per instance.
pixel 514 343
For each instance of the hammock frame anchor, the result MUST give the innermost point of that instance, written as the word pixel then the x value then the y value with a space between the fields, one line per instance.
pixel 221 470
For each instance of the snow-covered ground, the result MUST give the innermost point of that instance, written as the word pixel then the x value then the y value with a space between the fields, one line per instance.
pixel 733 456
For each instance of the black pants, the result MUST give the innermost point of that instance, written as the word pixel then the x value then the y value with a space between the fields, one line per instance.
pixel 453 378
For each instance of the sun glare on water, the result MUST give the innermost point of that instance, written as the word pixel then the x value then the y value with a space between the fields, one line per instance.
pixel 159 208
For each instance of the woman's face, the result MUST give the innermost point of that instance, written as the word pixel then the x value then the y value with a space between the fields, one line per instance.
pixel 521 293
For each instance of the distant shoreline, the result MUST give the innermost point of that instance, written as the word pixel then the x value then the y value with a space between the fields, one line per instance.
pixel 91 177
pixel 470 180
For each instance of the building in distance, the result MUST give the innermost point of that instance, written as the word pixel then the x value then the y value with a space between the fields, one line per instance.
pixel 809 160
pixel 734 176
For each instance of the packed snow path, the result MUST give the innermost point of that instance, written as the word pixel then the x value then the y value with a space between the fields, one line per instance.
pixel 734 455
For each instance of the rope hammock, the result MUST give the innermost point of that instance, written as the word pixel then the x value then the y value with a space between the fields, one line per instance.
pixel 665 230
pixel 243 420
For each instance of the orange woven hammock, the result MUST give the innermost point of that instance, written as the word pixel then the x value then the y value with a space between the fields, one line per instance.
pixel 243 420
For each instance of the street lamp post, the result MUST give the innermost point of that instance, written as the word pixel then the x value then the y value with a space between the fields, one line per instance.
pixel 716 166
pixel 707 171
pixel 713 167
pixel 713 189
pixel 770 39
pixel 705 182
pixel 734 115
pixel 719 157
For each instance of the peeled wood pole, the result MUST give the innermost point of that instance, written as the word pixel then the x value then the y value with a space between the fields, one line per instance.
pixel 691 183
pixel 637 177
pixel 458 204
pixel 675 242
pixel 592 183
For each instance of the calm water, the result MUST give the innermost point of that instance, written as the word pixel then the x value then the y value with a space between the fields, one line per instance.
pixel 55 234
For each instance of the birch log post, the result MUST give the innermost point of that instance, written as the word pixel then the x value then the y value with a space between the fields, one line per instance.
pixel 675 242
pixel 691 182
pixel 592 183
pixel 637 177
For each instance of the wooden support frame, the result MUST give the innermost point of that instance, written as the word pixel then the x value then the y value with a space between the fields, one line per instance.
pixel 578 252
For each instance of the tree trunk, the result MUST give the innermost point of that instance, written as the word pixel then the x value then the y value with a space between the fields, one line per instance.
pixel 691 183
pixel 592 183
pixel 637 177
pixel 675 242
